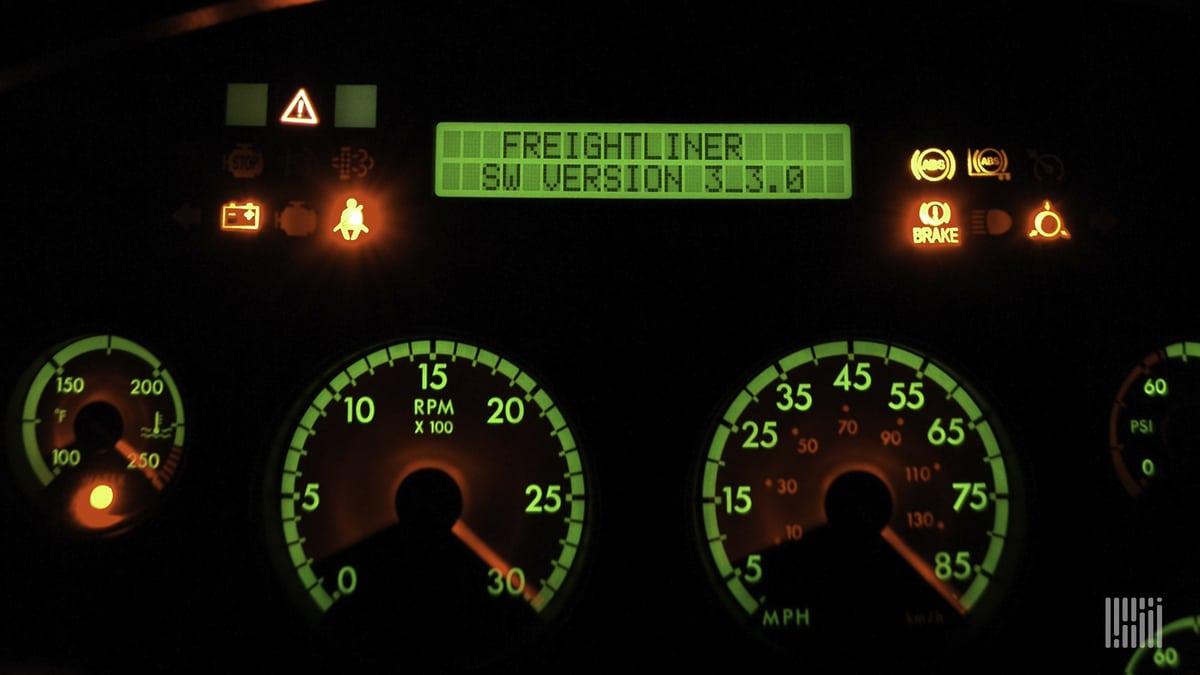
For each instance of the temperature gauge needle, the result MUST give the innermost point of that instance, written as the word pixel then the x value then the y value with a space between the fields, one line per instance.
pixel 922 567
pixel 486 554
pixel 131 454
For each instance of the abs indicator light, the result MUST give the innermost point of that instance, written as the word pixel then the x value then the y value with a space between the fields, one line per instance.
pixel 100 425
pixel 425 489
pixel 858 486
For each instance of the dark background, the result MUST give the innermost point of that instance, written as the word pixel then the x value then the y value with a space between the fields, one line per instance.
pixel 642 317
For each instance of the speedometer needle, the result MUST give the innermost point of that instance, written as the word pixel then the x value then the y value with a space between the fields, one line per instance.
pixel 487 555
pixel 922 567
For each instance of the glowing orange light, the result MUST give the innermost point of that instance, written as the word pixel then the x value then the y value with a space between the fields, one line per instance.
pixel 934 213
pixel 936 228
pixel 988 163
pixel 351 225
pixel 91 504
pixel 300 110
pixel 101 497
pixel 932 164
pixel 1048 224
pixel 241 217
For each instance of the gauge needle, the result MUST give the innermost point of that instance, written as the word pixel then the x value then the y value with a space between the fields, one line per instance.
pixel 486 554
pixel 131 454
pixel 918 563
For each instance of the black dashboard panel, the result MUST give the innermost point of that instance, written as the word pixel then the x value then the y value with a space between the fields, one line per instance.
pixel 643 317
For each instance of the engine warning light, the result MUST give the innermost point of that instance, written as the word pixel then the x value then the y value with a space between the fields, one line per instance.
pixel 351 224
pixel 932 164
pixel 1048 224
pixel 241 217
pixel 300 111
pixel 936 226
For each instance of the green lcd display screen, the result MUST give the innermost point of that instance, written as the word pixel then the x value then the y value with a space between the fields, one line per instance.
pixel 643 161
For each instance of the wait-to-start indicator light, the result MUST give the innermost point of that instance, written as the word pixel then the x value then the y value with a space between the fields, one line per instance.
pixel 936 226
pixel 351 225
pixel 932 164
pixel 245 217
pixel 988 163
pixel 1048 224
pixel 300 110
pixel 643 161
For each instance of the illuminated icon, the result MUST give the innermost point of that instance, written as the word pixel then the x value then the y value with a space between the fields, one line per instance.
pixel 934 213
pixel 351 225
pixel 994 222
pixel 101 497
pixel 988 163
pixel 159 430
pixel 241 217
pixel 244 162
pixel 351 163
pixel 297 219
pixel 932 164
pixel 1048 224
pixel 300 110
pixel 935 228
pixel 1047 166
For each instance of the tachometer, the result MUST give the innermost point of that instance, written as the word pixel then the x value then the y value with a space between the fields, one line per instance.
pixel 425 489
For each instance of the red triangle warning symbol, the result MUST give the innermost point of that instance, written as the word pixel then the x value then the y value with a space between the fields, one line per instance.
pixel 300 110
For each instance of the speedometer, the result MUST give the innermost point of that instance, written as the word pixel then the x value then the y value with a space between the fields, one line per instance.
pixel 857 485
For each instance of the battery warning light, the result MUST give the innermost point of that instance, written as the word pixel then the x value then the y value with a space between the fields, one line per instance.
pixel 1048 224
pixel 241 217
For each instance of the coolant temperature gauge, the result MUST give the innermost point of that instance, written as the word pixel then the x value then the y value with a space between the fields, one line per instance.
pixel 100 428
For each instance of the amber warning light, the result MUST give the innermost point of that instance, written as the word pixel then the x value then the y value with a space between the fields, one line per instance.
pixel 937 226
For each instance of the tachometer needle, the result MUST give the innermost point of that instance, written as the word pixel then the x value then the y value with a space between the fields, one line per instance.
pixel 487 555
pixel 922 567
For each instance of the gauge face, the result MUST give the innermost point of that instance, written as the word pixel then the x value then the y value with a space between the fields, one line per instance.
pixel 1176 649
pixel 101 433
pixel 428 489
pixel 1154 429
pixel 856 487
